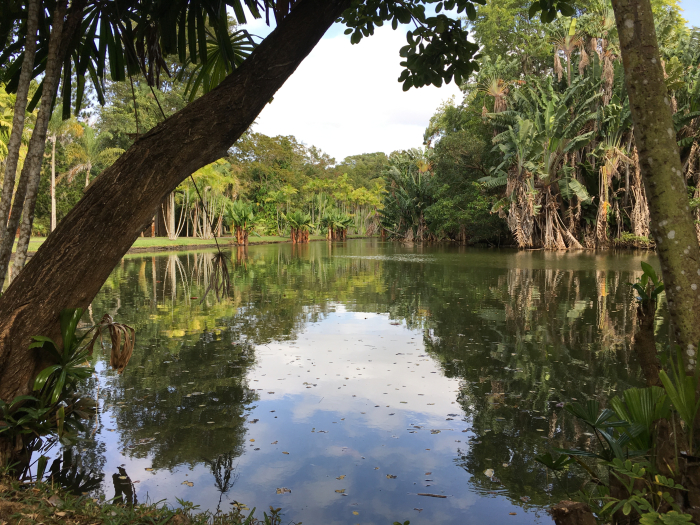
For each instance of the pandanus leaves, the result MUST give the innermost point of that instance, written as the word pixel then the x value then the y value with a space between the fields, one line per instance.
pixel 603 422
pixel 240 215
pixel 681 389
pixel 641 407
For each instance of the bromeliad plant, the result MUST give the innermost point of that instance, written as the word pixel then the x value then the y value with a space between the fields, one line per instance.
pixel 56 405
pixel 649 286
pixel 71 363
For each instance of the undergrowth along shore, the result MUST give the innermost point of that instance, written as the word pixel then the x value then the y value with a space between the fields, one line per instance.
pixel 45 503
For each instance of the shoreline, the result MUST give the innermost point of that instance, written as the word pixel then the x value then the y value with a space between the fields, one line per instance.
pixel 167 245
pixel 179 247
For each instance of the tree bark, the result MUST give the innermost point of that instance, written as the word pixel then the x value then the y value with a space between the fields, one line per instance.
pixel 645 344
pixel 672 224
pixel 15 141
pixel 73 263
pixel 25 196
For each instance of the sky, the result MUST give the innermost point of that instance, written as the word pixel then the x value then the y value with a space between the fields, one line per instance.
pixel 345 99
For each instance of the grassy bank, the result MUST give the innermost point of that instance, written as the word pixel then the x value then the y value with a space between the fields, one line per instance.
pixel 148 244
pixel 28 504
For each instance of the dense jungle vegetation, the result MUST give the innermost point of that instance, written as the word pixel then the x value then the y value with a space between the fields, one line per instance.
pixel 544 136
pixel 539 152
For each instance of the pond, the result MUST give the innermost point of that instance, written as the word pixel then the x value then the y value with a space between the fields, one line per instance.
pixel 359 382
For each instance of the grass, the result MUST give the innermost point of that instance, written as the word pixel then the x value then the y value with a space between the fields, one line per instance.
pixel 48 504
pixel 143 243
pixel 629 240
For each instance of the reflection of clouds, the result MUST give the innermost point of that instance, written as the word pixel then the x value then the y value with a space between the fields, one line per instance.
pixel 359 357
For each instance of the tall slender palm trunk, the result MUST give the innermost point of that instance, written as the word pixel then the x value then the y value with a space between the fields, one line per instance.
pixel 25 197
pixel 15 141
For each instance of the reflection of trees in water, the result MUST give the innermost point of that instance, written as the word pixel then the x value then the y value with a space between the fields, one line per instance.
pixel 520 338
pixel 124 491
pixel 550 337
pixel 74 472
pixel 223 471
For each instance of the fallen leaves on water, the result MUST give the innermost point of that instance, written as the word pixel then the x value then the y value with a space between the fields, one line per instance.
pixel 525 498
pixel 428 473
pixel 251 440
pixel 512 513
pixel 149 469
pixel 273 443
pixel 355 513
pixel 285 452
pixel 284 490
pixel 390 476
pixel 188 483
pixel 340 491
pixel 341 477
pixel 488 472
pixel 432 495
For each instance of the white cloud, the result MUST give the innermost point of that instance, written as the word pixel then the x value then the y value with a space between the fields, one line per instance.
pixel 346 100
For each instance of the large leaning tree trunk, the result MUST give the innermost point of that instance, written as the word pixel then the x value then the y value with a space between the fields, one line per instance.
pixel 15 141
pixel 671 221
pixel 71 265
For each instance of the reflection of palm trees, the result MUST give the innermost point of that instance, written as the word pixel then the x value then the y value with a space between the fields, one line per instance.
pixel 174 268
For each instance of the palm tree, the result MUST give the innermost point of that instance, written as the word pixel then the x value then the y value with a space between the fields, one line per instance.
pixel 548 128
pixel 611 153
pixel 241 218
pixel 336 223
pixel 567 45
pixel 300 224
pixel 89 152
pixel 63 131
pixel 7 103
pixel 221 61
pixel 498 89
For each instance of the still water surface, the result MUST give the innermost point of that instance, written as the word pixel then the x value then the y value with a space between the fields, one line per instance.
pixel 358 376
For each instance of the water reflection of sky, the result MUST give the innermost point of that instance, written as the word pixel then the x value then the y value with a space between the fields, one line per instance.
pixel 353 396
pixel 333 399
